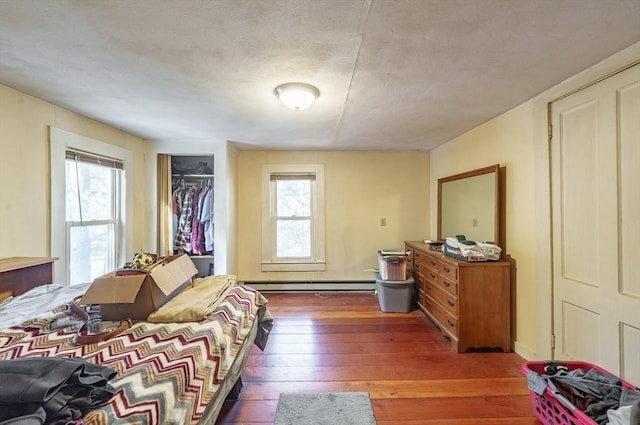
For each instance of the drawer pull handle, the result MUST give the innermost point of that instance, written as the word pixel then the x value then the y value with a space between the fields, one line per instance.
pixel 450 323
pixel 446 270
pixel 428 287
pixel 445 283
pixel 433 276
pixel 451 303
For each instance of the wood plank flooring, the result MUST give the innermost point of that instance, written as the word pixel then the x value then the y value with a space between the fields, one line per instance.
pixel 344 342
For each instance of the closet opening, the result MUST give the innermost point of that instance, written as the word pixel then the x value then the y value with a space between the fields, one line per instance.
pixel 186 195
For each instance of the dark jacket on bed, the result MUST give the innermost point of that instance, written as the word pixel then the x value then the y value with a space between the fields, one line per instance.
pixel 51 390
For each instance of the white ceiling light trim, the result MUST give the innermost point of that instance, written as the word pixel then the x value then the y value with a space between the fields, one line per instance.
pixel 297 96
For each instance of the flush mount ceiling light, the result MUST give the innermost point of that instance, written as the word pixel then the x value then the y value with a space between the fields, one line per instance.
pixel 296 95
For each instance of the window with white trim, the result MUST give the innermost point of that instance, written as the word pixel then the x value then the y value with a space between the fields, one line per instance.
pixel 93 214
pixel 91 204
pixel 293 217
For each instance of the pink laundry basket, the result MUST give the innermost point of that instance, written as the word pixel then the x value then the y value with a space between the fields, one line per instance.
pixel 551 410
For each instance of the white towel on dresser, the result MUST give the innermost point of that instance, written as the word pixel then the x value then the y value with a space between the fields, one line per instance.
pixel 481 250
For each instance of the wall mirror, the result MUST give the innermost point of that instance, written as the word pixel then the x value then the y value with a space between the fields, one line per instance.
pixel 469 204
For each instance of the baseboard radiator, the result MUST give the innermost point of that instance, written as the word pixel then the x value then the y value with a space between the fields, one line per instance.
pixel 311 286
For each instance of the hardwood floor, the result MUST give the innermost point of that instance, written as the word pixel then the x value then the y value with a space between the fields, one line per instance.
pixel 343 342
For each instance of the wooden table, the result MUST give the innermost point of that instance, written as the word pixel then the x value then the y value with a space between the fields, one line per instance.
pixel 19 274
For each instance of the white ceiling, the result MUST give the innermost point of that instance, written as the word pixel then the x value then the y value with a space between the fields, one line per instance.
pixel 392 74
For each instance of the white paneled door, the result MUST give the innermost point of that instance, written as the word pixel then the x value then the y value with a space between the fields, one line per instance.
pixel 595 153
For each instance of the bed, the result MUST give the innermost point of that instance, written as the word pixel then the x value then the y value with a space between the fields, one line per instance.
pixel 166 373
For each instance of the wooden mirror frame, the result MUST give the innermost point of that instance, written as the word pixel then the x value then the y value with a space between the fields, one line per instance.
pixel 495 169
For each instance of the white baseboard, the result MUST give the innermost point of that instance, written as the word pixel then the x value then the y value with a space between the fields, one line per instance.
pixel 312 286
pixel 524 352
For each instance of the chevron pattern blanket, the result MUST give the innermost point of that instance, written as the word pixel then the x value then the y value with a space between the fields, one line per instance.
pixel 166 373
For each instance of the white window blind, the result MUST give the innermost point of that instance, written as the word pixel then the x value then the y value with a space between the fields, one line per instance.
pixel 91 158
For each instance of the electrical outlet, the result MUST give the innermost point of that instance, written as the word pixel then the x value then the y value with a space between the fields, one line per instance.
pixel 474 223
pixel 383 222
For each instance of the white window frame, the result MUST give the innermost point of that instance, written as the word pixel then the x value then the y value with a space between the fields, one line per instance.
pixel 116 176
pixel 270 260
pixel 61 141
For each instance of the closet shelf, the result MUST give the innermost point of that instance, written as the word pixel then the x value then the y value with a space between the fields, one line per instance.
pixel 194 176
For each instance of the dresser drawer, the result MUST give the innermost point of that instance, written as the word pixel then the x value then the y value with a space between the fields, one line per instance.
pixel 410 252
pixel 421 298
pixel 445 299
pixel 429 288
pixel 419 281
pixel 447 322
pixel 409 260
pixel 450 286
pixel 448 270
pixel 432 262
pixel 426 271
pixel 425 260
pixel 430 275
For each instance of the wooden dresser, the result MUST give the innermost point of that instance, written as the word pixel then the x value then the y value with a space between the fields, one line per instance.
pixel 19 274
pixel 468 301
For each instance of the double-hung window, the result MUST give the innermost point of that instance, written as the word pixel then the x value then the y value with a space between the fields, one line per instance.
pixel 293 218
pixel 91 203
pixel 93 214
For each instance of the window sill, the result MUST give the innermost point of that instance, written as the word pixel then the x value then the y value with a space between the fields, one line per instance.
pixel 293 267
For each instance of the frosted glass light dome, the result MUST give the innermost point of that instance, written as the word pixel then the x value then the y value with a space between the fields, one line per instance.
pixel 297 96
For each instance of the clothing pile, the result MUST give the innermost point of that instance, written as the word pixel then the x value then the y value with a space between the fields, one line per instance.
pixel 475 251
pixel 37 303
pixel 601 396
pixel 177 167
pixel 52 390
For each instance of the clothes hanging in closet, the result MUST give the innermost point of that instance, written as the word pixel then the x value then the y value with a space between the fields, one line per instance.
pixel 192 207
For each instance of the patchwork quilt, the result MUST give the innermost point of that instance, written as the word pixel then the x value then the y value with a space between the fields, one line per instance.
pixel 167 373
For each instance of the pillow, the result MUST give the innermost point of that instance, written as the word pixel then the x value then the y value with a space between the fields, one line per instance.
pixel 195 302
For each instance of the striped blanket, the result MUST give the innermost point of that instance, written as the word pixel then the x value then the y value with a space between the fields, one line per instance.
pixel 166 373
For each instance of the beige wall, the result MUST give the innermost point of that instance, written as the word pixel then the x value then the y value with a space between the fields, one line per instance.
pixel 232 208
pixel 506 140
pixel 25 171
pixel 360 189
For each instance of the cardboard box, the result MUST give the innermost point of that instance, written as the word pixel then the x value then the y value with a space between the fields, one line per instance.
pixel 138 295
pixel 392 266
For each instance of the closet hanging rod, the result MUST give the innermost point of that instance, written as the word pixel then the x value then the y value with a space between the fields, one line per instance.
pixel 193 176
